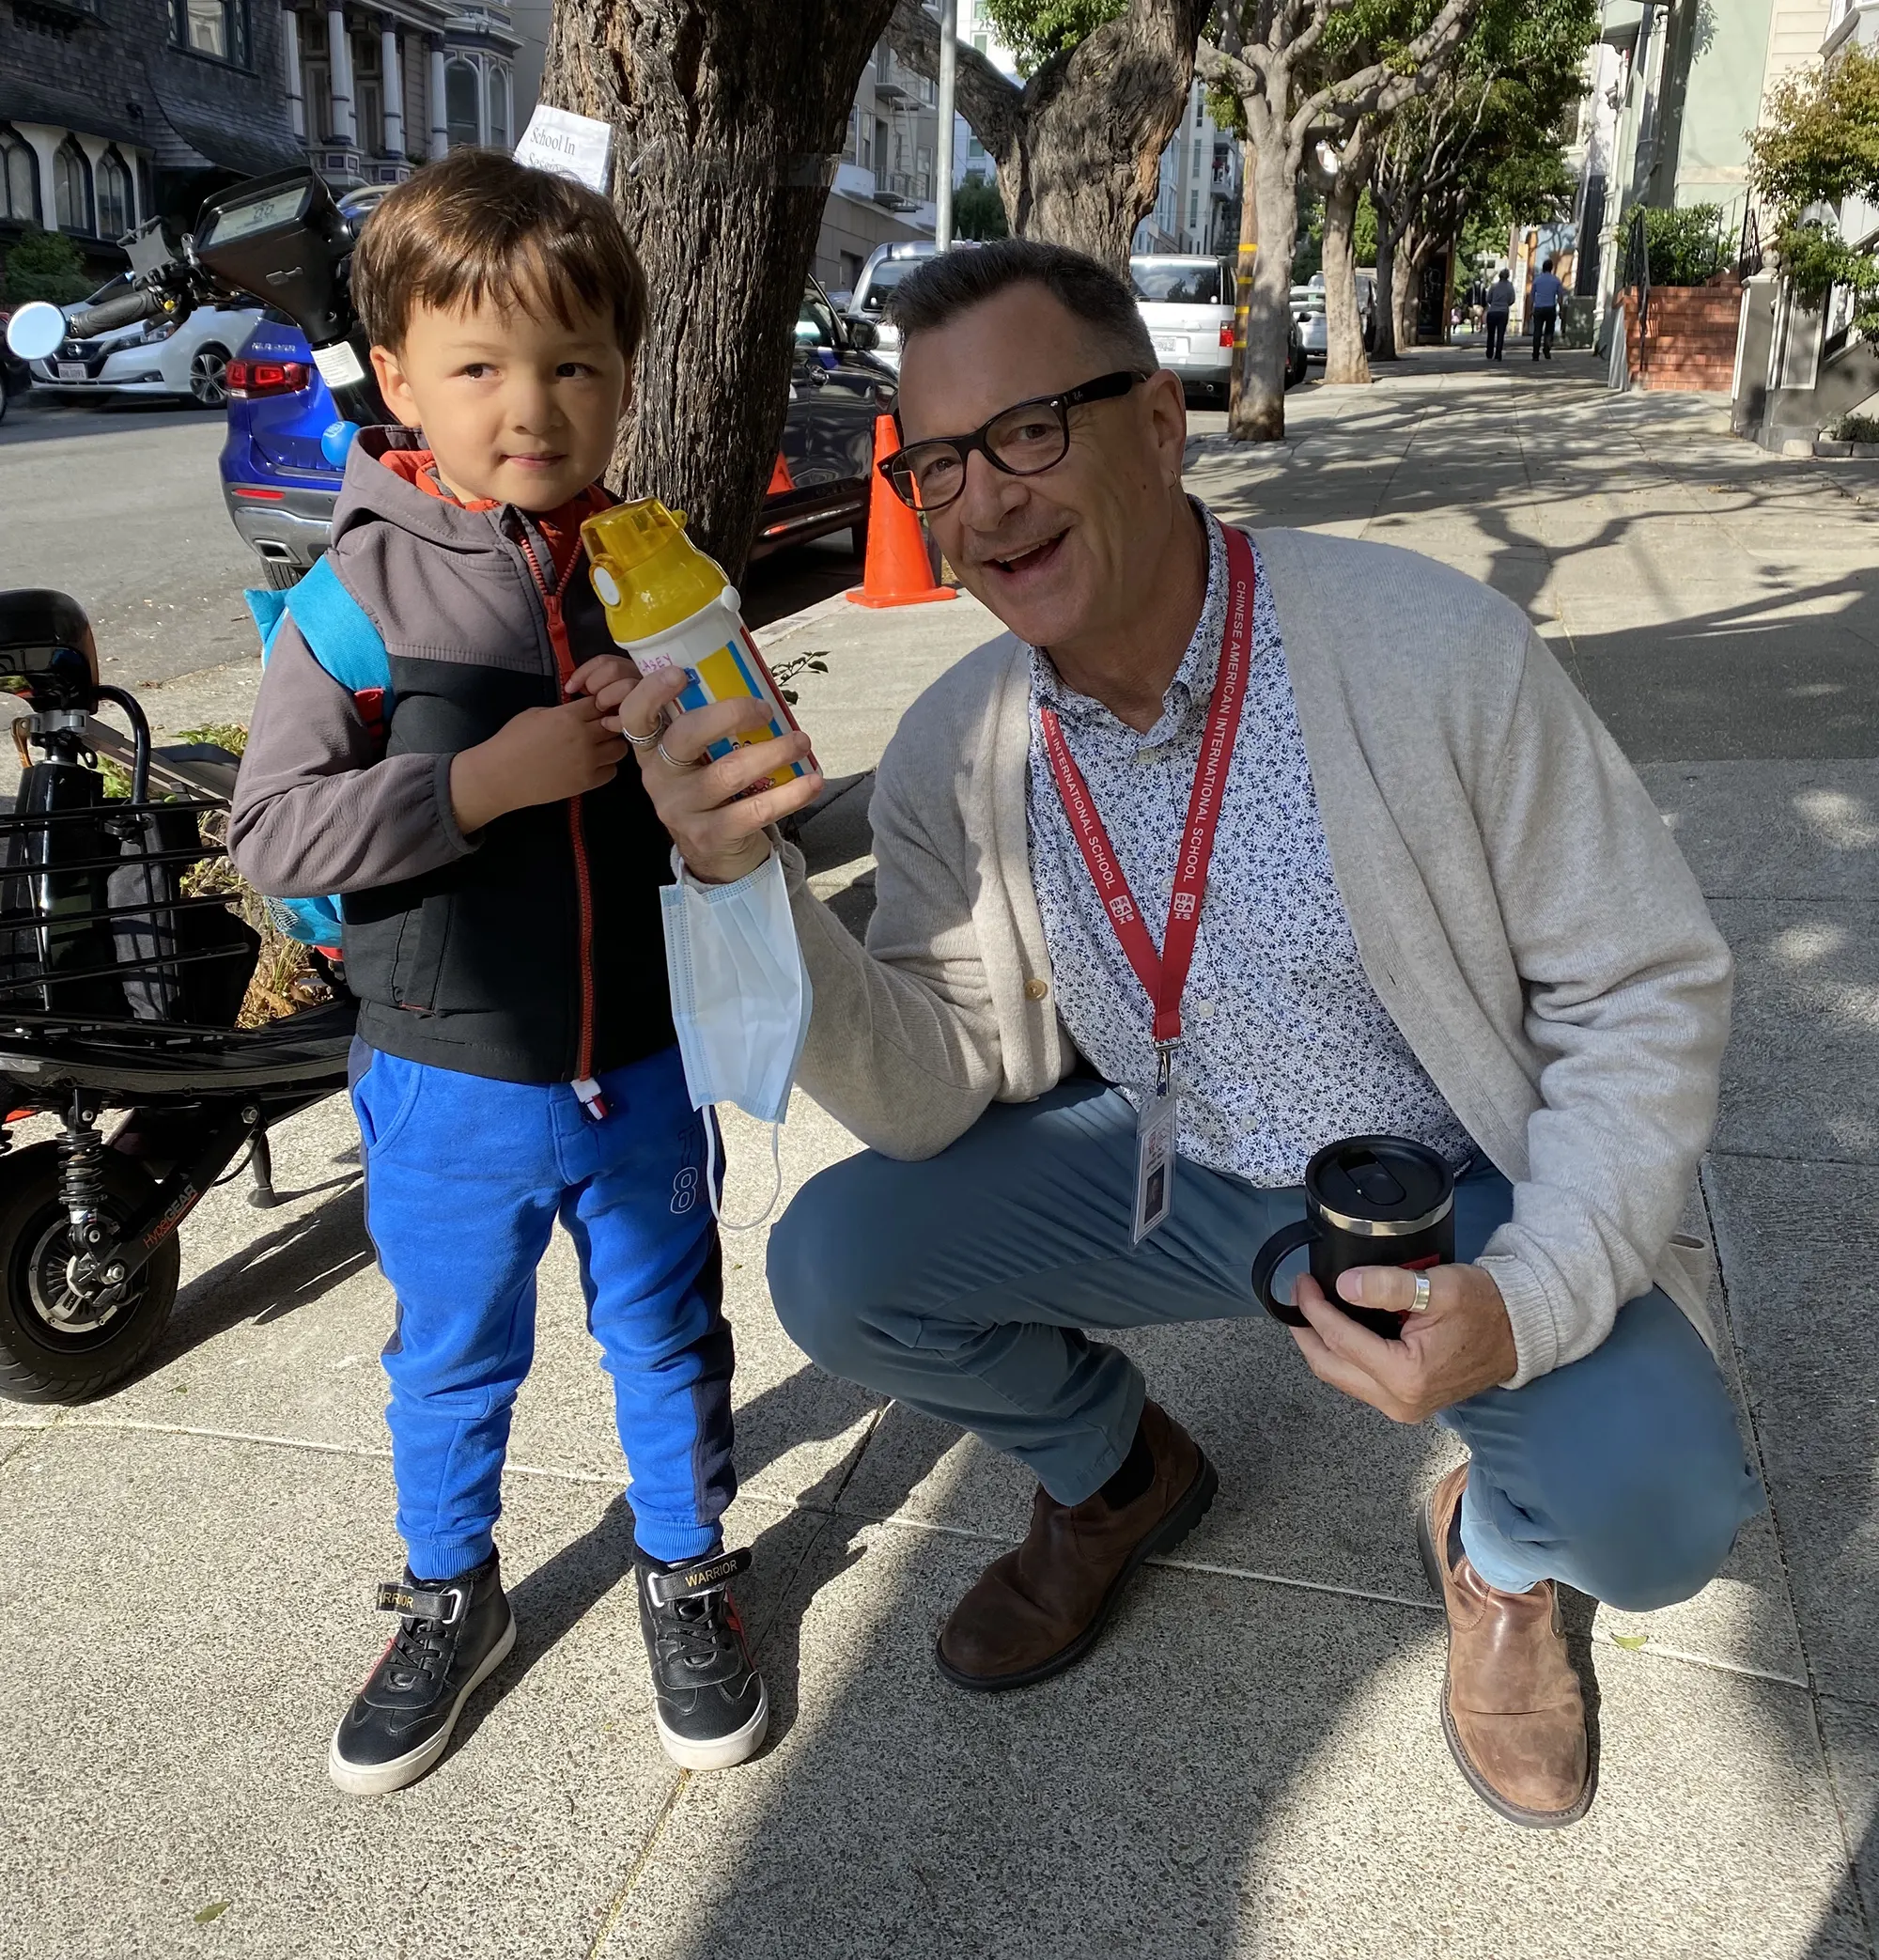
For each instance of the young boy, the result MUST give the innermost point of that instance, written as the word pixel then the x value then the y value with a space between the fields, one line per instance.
pixel 516 1059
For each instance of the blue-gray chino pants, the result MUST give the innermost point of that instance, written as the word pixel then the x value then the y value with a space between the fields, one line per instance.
pixel 965 1286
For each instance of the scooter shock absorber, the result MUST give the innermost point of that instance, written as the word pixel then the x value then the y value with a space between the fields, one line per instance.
pixel 80 1150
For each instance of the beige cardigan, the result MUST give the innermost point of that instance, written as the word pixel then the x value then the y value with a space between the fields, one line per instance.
pixel 1519 904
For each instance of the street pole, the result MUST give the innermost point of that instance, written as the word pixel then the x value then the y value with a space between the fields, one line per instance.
pixel 949 90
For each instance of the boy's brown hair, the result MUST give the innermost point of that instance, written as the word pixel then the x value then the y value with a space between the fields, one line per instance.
pixel 476 226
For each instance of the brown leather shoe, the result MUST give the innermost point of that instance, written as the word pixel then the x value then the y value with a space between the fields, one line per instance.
pixel 1040 1608
pixel 1512 1710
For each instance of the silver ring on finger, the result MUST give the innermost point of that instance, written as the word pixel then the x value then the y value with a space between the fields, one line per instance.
pixel 644 741
pixel 665 754
pixel 1420 1303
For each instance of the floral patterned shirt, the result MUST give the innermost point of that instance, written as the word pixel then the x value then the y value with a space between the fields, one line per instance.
pixel 1285 1044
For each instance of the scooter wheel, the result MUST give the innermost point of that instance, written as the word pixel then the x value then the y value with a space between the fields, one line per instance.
pixel 55 1346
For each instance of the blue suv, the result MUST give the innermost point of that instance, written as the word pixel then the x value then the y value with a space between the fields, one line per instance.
pixel 280 486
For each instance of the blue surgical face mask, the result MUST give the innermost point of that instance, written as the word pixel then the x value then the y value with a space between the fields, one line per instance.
pixel 741 997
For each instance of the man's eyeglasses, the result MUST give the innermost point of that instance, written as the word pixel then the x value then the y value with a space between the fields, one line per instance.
pixel 1023 441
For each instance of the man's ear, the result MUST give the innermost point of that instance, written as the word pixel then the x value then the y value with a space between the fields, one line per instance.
pixel 1168 419
pixel 395 387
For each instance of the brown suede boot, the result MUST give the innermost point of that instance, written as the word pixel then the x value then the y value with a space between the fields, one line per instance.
pixel 1512 1710
pixel 1040 1608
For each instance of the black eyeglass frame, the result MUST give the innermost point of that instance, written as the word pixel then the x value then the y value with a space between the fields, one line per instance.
pixel 1106 387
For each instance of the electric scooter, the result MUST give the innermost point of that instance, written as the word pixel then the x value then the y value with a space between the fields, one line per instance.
pixel 120 977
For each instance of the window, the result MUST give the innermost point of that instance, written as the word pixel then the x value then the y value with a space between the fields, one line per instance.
pixel 1200 107
pixel 114 206
pixel 19 179
pixel 318 101
pixel 459 103
pixel 218 29
pixel 71 188
pixel 370 114
pixel 499 107
pixel 1193 207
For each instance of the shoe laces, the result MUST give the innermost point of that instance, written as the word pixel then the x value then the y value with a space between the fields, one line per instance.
pixel 419 1648
pixel 694 1633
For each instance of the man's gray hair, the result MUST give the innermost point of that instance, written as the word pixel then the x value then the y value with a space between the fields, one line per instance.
pixel 950 282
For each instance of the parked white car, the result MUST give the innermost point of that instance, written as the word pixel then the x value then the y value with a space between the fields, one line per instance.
pixel 1186 304
pixel 161 359
pixel 1308 310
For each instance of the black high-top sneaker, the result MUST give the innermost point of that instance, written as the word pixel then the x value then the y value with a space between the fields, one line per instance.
pixel 708 1701
pixel 451 1639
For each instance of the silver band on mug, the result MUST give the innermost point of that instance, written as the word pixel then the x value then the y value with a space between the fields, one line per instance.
pixel 1386 1228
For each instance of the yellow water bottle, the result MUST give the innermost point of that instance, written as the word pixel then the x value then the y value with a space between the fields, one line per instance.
pixel 669 604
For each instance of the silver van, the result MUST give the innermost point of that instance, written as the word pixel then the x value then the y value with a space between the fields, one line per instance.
pixel 1187 304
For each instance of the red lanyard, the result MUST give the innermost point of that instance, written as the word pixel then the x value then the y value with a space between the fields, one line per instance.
pixel 1164 974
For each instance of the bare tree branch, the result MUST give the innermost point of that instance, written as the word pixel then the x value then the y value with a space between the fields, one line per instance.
pixel 987 99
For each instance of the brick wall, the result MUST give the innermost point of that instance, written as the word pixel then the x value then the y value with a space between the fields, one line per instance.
pixel 1689 340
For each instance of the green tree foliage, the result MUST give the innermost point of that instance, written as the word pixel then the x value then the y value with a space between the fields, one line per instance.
pixel 978 210
pixel 1035 30
pixel 45 265
pixel 1820 141
pixel 1820 144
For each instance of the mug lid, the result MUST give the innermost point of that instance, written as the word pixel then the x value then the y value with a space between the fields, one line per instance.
pixel 1382 1186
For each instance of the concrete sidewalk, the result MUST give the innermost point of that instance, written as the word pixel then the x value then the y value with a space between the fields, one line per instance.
pixel 1251 1764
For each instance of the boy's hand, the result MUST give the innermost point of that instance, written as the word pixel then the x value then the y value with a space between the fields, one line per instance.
pixel 544 755
pixel 719 831
pixel 609 677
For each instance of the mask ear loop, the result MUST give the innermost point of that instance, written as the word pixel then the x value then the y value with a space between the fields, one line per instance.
pixel 712 1177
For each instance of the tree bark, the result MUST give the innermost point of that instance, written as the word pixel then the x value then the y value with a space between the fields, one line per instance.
pixel 1385 349
pixel 1344 361
pixel 1079 147
pixel 727 119
pixel 1244 267
pixel 1403 296
pixel 1259 414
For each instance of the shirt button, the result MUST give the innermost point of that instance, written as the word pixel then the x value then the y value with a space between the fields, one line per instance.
pixel 1036 989
pixel 1203 1010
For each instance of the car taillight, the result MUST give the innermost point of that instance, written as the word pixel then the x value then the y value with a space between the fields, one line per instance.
pixel 1227 334
pixel 248 378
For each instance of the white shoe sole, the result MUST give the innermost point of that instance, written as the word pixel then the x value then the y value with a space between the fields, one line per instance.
pixel 378 1778
pixel 723 1752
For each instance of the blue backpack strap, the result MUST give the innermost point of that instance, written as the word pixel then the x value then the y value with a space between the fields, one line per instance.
pixel 340 632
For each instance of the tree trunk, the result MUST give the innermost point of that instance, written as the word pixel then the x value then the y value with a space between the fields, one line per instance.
pixel 1259 417
pixel 1344 362
pixel 1403 294
pixel 1385 349
pixel 1079 149
pixel 727 116
pixel 1243 276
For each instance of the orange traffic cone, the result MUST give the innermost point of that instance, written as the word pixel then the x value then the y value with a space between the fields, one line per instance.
pixel 898 572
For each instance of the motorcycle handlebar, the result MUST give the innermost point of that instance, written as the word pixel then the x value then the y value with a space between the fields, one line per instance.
pixel 138 304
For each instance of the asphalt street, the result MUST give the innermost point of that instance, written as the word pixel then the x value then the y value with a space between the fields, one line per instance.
pixel 121 506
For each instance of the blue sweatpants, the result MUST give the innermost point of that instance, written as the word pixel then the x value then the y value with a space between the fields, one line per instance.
pixel 964 1286
pixel 464 1180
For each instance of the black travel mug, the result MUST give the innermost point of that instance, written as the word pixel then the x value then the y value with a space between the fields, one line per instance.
pixel 1369 1201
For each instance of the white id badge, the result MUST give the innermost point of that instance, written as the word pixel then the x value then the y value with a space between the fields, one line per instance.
pixel 1157 1124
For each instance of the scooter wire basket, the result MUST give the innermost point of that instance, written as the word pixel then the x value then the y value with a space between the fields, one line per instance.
pixel 100 929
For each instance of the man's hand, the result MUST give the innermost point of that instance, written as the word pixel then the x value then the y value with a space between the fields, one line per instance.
pixel 543 755
pixel 1461 1344
pixel 719 831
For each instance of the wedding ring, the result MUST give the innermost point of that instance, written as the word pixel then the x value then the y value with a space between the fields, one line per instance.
pixel 666 755
pixel 643 741
pixel 1420 1303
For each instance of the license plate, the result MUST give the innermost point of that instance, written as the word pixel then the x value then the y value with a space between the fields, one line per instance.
pixel 1171 343
pixel 72 371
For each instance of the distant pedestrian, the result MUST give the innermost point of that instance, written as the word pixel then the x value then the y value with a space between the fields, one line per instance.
pixel 1547 290
pixel 1499 303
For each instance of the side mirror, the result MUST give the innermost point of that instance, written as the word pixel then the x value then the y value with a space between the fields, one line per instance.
pixel 35 330
pixel 864 335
